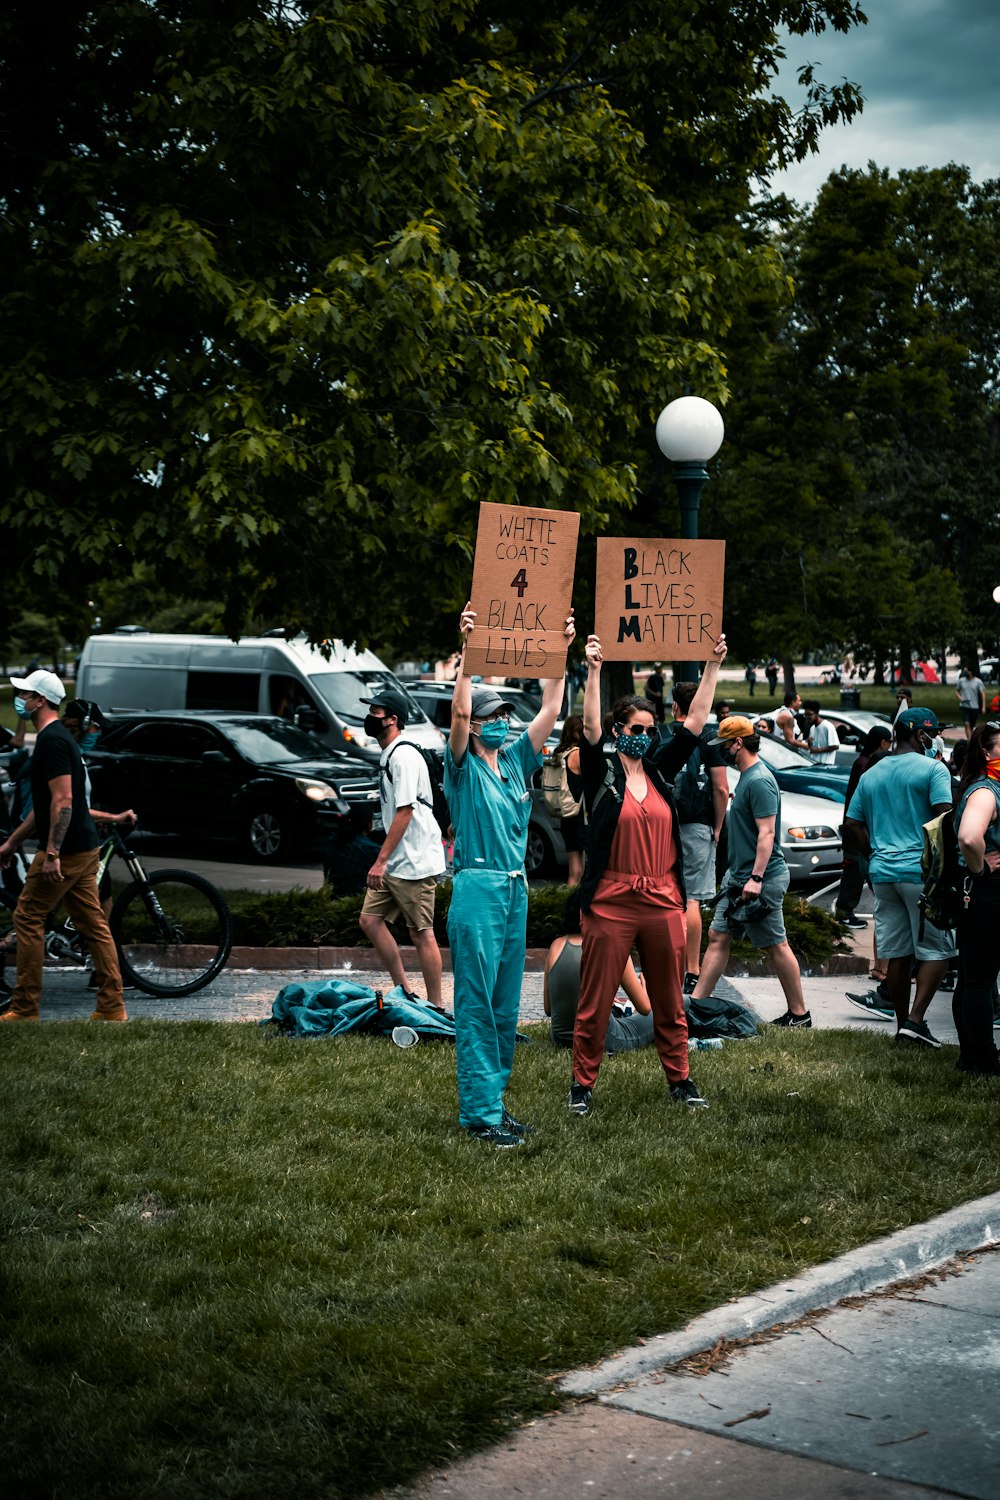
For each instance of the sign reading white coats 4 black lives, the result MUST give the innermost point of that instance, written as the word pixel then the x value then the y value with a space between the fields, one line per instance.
pixel 522 591
pixel 658 599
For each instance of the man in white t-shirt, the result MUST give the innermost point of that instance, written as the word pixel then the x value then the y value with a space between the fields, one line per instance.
pixel 824 741
pixel 404 877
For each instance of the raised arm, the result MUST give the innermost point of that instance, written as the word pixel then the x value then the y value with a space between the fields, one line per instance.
pixel 553 689
pixel 461 703
pixel 592 692
pixel 701 703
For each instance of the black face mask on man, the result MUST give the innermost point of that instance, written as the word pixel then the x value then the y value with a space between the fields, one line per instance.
pixel 375 726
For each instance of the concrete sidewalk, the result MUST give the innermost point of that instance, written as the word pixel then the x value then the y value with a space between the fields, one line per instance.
pixel 843 1382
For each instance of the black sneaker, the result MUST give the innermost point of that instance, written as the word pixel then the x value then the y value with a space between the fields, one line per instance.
pixel 514 1127
pixel 494 1135
pixel 579 1098
pixel 687 1092
pixel 873 1005
pixel 917 1031
pixel 852 921
pixel 949 981
pixel 690 980
pixel 792 1021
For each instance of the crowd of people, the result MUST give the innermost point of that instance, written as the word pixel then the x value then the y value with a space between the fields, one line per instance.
pixel 643 802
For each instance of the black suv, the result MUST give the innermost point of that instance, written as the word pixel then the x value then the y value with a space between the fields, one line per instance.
pixel 246 776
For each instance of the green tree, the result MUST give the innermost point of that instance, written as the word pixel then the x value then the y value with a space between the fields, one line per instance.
pixel 859 476
pixel 288 289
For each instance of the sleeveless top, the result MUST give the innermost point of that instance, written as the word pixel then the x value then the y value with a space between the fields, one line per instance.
pixel 992 839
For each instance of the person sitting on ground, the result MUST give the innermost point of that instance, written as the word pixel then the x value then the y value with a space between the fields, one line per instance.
pixel 351 852
pixel 561 992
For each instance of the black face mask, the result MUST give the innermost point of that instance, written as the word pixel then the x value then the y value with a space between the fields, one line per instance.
pixel 374 726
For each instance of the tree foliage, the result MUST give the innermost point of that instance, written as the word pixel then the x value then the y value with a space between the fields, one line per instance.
pixel 860 469
pixel 289 288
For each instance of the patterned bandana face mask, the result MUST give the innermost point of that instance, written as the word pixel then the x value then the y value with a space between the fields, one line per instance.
pixel 635 746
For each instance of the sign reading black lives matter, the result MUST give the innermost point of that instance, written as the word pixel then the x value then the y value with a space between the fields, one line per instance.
pixel 658 599
pixel 522 591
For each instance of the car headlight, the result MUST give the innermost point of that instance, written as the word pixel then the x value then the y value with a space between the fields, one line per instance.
pixel 821 832
pixel 317 791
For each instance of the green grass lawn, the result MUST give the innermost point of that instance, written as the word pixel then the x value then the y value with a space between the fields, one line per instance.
pixel 239 1266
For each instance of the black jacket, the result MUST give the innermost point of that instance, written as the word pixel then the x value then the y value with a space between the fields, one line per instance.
pixel 604 808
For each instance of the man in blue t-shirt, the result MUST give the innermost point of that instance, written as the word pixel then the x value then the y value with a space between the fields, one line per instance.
pixel 757 874
pixel 885 819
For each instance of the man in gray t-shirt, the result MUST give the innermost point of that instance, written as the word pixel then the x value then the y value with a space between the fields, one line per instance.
pixel 757 872
pixel 971 697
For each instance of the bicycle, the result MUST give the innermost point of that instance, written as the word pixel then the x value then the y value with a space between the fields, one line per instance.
pixel 173 929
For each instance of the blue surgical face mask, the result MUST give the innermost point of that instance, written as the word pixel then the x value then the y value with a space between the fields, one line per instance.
pixel 20 709
pixel 493 733
pixel 635 746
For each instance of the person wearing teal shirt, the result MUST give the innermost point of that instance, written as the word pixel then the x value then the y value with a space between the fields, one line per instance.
pixel 884 823
pixel 487 783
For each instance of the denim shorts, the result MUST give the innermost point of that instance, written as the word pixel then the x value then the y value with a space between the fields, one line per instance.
pixel 769 932
pixel 897 924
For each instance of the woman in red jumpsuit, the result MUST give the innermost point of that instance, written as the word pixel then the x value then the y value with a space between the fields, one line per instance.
pixel 632 893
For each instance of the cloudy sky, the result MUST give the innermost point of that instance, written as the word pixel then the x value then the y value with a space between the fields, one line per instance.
pixel 929 71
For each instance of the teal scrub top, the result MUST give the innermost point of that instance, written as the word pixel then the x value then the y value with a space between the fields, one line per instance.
pixel 490 813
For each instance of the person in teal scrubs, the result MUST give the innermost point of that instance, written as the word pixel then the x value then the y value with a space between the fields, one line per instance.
pixel 487 783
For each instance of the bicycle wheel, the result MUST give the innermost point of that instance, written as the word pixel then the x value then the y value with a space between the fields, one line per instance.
pixel 173 931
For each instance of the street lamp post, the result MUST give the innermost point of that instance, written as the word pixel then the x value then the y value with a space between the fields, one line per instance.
pixel 689 432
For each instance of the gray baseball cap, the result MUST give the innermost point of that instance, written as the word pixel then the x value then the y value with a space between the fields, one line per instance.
pixel 486 701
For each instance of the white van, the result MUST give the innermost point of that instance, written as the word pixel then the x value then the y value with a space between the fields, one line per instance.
pixel 260 674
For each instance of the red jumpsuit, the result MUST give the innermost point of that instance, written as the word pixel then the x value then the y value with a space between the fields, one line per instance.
pixel 637 903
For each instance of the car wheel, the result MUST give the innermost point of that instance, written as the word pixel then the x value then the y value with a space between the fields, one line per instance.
pixel 268 836
pixel 539 853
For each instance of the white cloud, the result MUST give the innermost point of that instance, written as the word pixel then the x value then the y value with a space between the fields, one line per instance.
pixel 928 70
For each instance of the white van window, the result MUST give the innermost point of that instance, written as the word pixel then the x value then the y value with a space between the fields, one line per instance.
pixel 347 693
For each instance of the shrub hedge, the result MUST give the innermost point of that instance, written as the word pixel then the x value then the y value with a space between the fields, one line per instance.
pixel 308 919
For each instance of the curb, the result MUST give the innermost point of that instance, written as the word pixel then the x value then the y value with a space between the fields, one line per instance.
pixel 898 1256
pixel 534 961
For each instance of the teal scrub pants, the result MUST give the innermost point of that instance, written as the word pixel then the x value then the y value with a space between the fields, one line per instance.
pixel 487 921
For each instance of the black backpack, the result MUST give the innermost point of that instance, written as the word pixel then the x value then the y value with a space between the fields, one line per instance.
pixel 435 771
pixel 943 897
pixel 693 790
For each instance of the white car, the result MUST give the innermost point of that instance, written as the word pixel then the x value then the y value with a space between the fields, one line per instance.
pixel 811 833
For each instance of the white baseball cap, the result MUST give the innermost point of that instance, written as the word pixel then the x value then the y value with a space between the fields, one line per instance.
pixel 47 684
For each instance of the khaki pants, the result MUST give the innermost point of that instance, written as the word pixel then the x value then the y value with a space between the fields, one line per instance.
pixel 78 889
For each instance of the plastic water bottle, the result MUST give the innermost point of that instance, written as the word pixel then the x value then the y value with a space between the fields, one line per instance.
pixel 705 1044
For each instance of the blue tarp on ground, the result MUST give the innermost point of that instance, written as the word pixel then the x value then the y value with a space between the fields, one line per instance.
pixel 333 1007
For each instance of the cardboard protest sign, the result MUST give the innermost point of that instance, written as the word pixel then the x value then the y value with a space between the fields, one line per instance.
pixel 658 598
pixel 522 590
